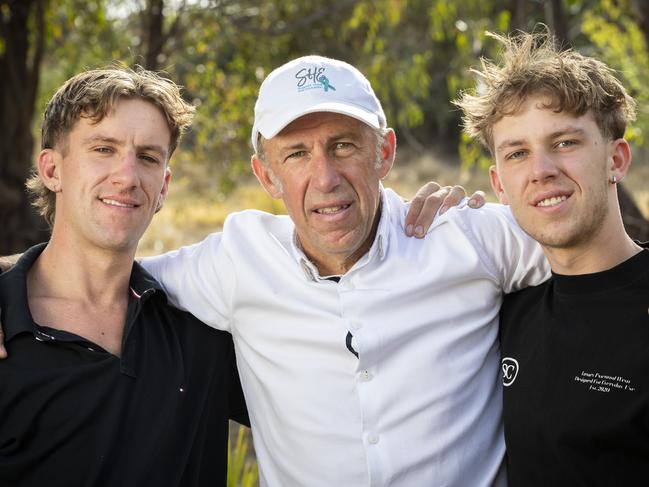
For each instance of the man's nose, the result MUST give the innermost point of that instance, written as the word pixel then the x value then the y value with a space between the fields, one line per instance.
pixel 125 172
pixel 325 172
pixel 543 166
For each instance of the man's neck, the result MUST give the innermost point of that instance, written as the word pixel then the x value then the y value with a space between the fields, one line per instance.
pixel 609 248
pixel 89 274
pixel 81 291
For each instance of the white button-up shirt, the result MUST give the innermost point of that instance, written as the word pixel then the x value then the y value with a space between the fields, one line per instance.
pixel 421 405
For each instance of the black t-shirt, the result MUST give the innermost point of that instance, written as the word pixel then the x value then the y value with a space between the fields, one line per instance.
pixel 575 362
pixel 73 414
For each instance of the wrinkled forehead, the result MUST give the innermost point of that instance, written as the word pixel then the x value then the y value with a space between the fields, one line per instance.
pixel 324 122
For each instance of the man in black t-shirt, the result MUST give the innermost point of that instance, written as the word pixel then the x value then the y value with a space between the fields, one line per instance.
pixel 106 384
pixel 575 350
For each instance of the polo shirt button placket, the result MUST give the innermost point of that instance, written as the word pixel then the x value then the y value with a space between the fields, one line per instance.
pixel 372 438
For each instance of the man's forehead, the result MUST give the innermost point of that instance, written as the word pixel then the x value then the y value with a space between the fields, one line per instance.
pixel 118 127
pixel 536 120
pixel 328 121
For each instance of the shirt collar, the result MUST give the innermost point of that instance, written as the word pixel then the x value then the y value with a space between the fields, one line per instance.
pixel 16 316
pixel 378 250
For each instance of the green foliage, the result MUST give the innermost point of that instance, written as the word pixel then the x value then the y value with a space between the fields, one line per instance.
pixel 416 53
pixel 617 40
pixel 242 471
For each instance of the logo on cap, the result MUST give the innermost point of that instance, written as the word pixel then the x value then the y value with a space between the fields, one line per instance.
pixel 313 78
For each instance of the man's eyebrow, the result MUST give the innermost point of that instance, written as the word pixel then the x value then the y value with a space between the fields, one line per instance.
pixel 153 147
pixel 332 138
pixel 100 138
pixel 509 143
pixel 295 146
pixel 112 140
pixel 569 130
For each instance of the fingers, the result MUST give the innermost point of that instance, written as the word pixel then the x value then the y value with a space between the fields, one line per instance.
pixel 478 199
pixel 453 198
pixel 417 204
pixel 424 213
pixel 431 198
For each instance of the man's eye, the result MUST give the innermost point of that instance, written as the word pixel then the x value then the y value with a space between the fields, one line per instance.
pixel 103 150
pixel 566 143
pixel 343 146
pixel 148 158
pixel 517 155
pixel 296 155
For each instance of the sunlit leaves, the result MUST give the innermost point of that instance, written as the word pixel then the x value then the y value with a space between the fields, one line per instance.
pixel 417 54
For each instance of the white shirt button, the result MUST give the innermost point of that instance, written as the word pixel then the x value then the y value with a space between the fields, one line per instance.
pixel 373 438
pixel 349 285
pixel 366 376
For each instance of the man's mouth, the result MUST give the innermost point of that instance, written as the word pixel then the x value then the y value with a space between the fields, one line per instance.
pixel 555 200
pixel 329 210
pixel 120 204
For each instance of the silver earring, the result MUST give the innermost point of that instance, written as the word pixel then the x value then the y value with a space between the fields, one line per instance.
pixel 614 179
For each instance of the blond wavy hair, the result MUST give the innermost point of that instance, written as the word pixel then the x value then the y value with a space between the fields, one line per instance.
pixel 94 94
pixel 532 64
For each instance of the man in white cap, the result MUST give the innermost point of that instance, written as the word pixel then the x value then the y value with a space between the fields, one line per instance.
pixel 366 358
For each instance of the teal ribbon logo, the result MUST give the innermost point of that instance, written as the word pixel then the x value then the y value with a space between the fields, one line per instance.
pixel 325 83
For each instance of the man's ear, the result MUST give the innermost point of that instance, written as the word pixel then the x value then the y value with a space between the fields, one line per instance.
pixel 266 177
pixel 388 152
pixel 49 169
pixel 497 186
pixel 619 159
pixel 164 191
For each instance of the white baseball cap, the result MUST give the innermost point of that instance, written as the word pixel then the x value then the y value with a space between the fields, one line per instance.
pixel 313 84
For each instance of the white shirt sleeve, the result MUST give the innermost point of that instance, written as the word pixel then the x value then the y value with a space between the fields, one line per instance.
pixel 512 256
pixel 199 279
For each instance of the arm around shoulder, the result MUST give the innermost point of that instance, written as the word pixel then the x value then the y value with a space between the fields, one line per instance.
pixel 515 259
pixel 196 279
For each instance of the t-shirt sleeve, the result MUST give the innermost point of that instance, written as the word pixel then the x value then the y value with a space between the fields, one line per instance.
pixel 198 279
pixel 514 259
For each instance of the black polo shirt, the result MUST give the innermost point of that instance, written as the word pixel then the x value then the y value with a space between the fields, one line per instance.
pixel 73 414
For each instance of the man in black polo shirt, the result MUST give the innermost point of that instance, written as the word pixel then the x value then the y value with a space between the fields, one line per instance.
pixel 575 350
pixel 105 384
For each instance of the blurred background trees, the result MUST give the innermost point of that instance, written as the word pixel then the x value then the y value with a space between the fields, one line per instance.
pixel 415 52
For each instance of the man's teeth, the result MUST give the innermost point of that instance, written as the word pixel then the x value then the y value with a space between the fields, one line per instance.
pixel 331 209
pixel 555 200
pixel 117 203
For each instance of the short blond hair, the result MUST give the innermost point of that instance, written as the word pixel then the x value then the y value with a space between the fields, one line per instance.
pixel 532 64
pixel 94 94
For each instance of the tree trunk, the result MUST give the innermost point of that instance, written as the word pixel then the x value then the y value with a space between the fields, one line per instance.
pixel 640 11
pixel 153 33
pixel 556 20
pixel 19 65
pixel 518 10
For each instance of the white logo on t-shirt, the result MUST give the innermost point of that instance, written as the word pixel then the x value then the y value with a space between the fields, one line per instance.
pixel 510 370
